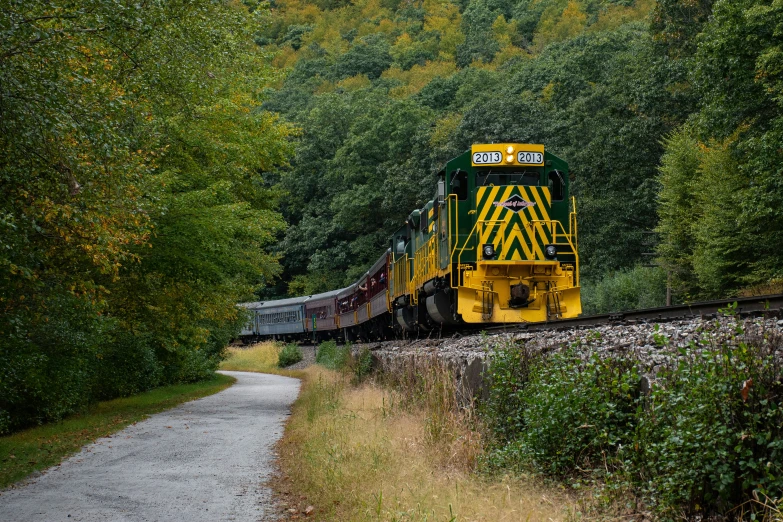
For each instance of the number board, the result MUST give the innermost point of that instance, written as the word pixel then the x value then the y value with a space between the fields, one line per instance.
pixel 530 158
pixel 487 158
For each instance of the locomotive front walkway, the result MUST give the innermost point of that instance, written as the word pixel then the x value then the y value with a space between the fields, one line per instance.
pixel 205 460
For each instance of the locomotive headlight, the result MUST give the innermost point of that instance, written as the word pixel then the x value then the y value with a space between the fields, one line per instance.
pixel 488 251
pixel 510 158
pixel 509 150
pixel 550 252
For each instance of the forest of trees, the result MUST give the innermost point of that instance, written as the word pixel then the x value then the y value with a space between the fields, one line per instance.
pixel 668 112
pixel 161 161
pixel 132 216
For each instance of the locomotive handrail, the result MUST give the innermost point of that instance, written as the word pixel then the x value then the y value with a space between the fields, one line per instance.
pixel 572 224
pixel 456 225
pixel 400 277
pixel 568 237
pixel 465 244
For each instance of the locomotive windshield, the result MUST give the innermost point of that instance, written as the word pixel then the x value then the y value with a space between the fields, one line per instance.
pixel 507 177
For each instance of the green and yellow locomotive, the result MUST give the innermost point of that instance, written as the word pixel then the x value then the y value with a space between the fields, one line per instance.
pixel 497 244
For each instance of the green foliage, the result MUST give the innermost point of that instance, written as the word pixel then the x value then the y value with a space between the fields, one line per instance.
pixel 479 44
pixel 706 438
pixel 370 56
pixel 734 140
pixel 509 373
pixel 289 354
pixel 568 416
pixel 362 365
pixel 630 289
pixel 704 445
pixel 579 414
pixel 332 356
pixel 679 178
pixel 133 216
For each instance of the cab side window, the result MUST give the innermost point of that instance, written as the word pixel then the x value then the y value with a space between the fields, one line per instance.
pixel 556 185
pixel 459 184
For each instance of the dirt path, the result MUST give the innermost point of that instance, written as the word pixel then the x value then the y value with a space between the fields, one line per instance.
pixel 205 460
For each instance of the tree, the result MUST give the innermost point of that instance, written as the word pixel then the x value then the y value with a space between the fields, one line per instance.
pixel 118 122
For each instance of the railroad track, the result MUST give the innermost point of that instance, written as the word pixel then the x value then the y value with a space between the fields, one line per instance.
pixel 745 306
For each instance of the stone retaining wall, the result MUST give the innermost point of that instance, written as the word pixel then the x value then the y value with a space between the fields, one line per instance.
pixel 652 344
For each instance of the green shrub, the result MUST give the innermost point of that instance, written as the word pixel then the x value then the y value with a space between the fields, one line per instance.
pixel 570 416
pixel 637 288
pixel 362 365
pixel 704 446
pixel 332 356
pixel 127 365
pixel 503 409
pixel 290 354
pixel 707 439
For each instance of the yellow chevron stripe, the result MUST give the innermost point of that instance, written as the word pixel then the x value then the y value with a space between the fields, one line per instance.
pixel 547 196
pixel 488 204
pixel 526 232
pixel 534 230
pixel 516 233
pixel 488 230
pixel 540 203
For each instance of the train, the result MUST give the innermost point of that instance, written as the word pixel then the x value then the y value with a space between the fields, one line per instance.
pixel 497 244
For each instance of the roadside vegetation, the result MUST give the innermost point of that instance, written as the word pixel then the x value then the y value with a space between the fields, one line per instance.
pixel 35 449
pixel 567 435
pixel 133 217
pixel 265 357
pixel 701 438
pixel 388 453
pixel 288 355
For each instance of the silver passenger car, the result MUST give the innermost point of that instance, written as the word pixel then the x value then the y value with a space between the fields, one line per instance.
pixel 281 317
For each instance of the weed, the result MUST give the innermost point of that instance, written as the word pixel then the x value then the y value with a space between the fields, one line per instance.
pixel 260 357
pixel 374 452
pixel 288 355
pixel 332 356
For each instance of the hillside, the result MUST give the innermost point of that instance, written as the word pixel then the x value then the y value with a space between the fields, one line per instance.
pixel 384 92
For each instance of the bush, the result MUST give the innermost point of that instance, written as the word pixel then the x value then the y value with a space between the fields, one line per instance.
pixel 290 354
pixel 362 365
pixel 637 288
pixel 713 438
pixel 569 415
pixel 707 439
pixel 127 365
pixel 332 356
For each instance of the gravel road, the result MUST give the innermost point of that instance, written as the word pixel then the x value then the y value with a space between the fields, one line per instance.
pixel 205 460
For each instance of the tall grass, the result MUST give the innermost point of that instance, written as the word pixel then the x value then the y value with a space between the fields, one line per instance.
pixel 259 357
pixel 368 452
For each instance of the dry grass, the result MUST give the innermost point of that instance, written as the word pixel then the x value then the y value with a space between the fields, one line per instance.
pixel 773 286
pixel 259 357
pixel 360 453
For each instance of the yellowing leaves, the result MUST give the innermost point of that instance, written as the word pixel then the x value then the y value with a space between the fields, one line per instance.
pixel 417 76
pixel 556 26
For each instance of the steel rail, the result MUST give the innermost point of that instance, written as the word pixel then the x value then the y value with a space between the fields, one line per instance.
pixel 770 304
